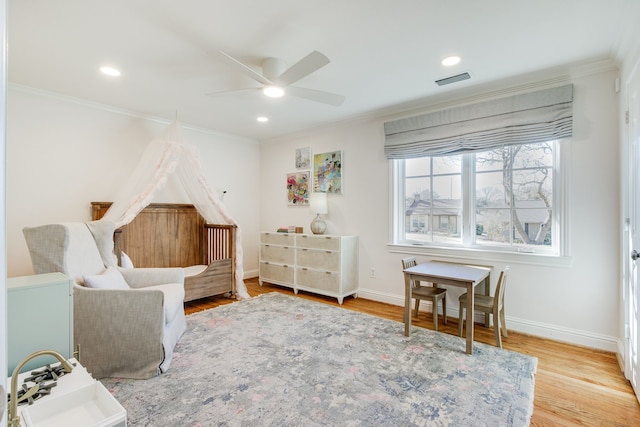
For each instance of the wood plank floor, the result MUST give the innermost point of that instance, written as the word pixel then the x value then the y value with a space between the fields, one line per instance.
pixel 575 386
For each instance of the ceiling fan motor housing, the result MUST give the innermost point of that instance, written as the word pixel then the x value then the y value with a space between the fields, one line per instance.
pixel 272 68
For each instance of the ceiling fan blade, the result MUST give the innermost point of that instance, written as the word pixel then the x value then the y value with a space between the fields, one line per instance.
pixel 307 65
pixel 247 70
pixel 316 95
pixel 231 92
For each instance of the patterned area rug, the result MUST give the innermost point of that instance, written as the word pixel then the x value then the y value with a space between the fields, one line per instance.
pixel 280 360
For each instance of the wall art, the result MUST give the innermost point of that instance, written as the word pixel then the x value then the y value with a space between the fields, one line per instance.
pixel 327 172
pixel 303 158
pixel 298 188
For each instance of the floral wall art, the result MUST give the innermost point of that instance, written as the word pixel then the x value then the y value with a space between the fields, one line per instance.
pixel 298 188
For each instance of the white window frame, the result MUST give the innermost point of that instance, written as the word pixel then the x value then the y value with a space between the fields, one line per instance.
pixel 560 254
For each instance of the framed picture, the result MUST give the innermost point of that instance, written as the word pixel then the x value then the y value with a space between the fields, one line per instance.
pixel 327 172
pixel 303 158
pixel 298 188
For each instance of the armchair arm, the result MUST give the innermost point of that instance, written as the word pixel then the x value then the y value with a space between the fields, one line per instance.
pixel 143 277
pixel 119 331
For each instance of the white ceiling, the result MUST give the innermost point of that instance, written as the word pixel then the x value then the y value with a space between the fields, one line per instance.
pixel 383 53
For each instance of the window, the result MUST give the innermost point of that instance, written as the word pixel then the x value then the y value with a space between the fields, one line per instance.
pixel 501 199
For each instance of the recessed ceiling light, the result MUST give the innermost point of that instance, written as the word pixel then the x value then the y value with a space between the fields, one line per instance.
pixel 451 60
pixel 263 119
pixel 110 71
pixel 273 91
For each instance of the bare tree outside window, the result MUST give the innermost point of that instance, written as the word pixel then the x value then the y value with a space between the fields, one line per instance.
pixel 514 194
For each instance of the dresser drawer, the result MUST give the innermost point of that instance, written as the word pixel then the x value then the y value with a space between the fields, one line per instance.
pixel 322 260
pixel 318 242
pixel 319 280
pixel 277 273
pixel 277 254
pixel 283 239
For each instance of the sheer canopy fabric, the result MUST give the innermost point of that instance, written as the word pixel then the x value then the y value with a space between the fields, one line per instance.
pixel 163 157
pixel 539 116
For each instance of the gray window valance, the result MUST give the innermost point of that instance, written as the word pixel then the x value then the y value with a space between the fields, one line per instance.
pixel 539 116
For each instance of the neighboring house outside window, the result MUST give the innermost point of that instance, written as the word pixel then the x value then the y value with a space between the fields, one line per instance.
pixel 504 199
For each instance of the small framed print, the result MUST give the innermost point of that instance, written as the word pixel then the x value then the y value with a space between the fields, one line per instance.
pixel 303 158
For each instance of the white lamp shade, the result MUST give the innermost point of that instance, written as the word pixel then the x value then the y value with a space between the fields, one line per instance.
pixel 318 203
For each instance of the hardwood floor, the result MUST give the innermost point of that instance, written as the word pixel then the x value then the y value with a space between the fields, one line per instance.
pixel 575 386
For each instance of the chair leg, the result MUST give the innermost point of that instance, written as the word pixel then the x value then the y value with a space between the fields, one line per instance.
pixel 496 328
pixel 503 324
pixel 417 306
pixel 461 320
pixel 444 308
pixel 434 311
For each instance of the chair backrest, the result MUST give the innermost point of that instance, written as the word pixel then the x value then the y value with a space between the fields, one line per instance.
pixel 409 262
pixel 75 248
pixel 500 288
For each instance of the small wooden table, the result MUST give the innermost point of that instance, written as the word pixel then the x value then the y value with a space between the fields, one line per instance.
pixel 461 275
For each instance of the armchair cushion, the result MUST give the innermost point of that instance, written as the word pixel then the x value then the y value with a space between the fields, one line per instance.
pixel 125 261
pixel 144 277
pixel 173 299
pixel 110 279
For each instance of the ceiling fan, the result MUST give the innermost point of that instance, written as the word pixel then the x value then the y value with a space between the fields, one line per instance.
pixel 277 79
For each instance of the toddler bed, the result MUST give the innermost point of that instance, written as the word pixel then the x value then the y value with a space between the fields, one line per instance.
pixel 176 235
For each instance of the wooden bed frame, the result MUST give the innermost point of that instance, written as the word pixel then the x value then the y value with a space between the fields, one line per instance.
pixel 176 235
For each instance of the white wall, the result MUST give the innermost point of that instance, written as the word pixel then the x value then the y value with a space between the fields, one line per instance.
pixel 574 300
pixel 63 154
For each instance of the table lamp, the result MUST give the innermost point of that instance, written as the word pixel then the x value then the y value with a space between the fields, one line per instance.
pixel 318 204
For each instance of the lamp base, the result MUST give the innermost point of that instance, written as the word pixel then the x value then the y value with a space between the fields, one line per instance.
pixel 318 226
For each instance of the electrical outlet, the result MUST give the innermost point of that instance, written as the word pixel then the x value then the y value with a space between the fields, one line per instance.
pixel 372 272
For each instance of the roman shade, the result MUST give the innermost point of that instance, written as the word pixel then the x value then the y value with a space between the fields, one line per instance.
pixel 527 118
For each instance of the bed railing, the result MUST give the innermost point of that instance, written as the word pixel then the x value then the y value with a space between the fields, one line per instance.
pixel 220 242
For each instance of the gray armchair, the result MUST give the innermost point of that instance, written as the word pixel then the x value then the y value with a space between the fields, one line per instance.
pixel 128 333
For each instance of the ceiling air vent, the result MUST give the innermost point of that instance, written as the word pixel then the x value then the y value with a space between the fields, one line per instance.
pixel 453 79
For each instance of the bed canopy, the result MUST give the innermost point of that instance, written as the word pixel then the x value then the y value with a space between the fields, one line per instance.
pixel 163 157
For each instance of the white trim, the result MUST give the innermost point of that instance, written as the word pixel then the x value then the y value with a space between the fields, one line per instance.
pixel 250 274
pixel 483 255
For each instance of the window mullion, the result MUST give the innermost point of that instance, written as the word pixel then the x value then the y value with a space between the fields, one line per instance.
pixel 468 199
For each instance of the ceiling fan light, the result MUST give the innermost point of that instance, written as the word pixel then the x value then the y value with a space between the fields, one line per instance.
pixel 273 91
pixel 451 60
pixel 110 71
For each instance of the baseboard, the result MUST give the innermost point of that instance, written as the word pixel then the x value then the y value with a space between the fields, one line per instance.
pixel 539 329
pixel 250 274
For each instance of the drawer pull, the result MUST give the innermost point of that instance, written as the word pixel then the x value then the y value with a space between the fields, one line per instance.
pixel 327 252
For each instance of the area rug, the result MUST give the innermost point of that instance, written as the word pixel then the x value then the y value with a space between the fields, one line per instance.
pixel 280 360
